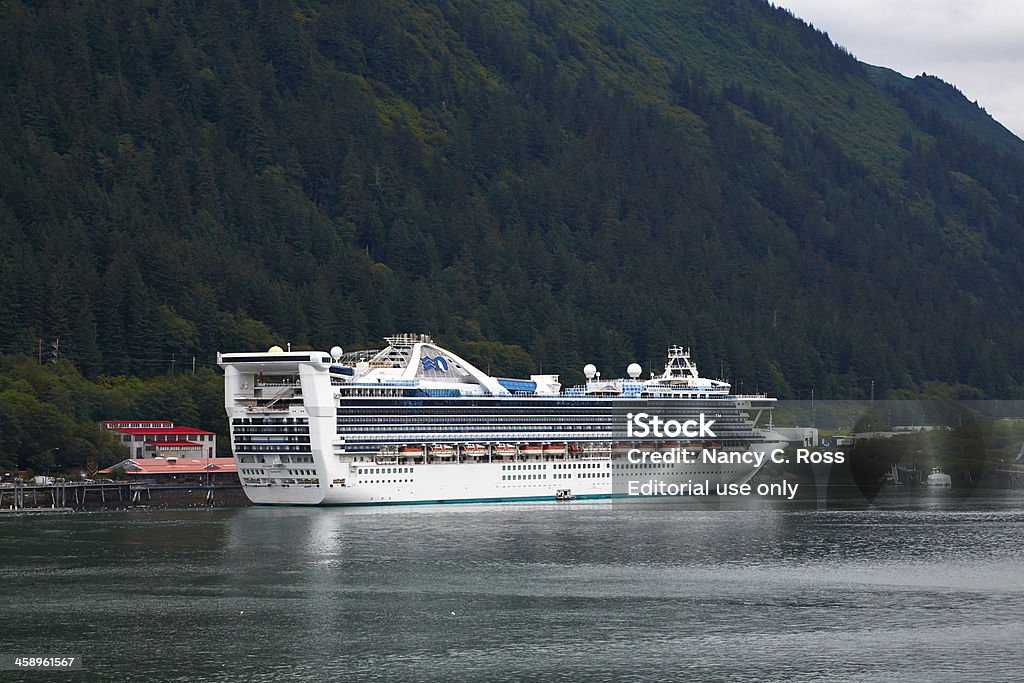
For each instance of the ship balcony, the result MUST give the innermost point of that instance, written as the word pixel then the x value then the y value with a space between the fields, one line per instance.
pixel 270 392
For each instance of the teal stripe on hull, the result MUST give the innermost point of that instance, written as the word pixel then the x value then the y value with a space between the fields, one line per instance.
pixel 451 501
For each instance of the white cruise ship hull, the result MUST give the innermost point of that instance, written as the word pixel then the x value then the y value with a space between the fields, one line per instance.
pixel 372 484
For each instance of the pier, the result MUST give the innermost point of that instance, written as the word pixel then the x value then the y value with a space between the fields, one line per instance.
pixel 1010 474
pixel 110 495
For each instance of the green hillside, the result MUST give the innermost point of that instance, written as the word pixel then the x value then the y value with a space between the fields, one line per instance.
pixel 926 95
pixel 538 184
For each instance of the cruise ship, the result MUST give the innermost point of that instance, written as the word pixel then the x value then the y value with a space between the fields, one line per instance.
pixel 415 423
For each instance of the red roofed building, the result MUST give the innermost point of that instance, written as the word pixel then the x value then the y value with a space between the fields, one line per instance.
pixel 136 424
pixel 161 439
pixel 179 470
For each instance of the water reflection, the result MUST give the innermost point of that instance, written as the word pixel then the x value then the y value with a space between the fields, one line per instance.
pixel 910 586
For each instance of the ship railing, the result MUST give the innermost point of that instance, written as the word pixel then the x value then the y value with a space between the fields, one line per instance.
pixel 249 400
pixel 408 339
pixel 284 391
pixel 265 390
pixel 283 408
pixel 497 437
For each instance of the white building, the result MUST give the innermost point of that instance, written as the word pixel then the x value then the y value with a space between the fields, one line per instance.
pixel 804 436
pixel 160 438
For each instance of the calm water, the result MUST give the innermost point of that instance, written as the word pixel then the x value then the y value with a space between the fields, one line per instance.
pixel 916 587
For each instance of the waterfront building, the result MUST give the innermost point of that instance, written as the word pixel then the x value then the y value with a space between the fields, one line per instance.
pixel 804 436
pixel 177 470
pixel 162 439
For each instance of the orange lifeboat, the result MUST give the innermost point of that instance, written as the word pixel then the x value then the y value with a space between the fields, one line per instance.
pixel 531 449
pixel 554 449
pixel 442 450
pixel 410 450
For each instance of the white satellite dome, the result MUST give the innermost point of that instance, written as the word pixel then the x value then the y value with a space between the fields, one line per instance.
pixel 275 349
pixel 336 352
pixel 590 370
pixel 634 370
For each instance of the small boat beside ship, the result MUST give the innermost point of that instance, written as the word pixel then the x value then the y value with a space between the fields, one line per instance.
pixel 939 478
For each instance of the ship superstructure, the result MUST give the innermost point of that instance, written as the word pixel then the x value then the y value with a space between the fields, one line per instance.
pixel 415 423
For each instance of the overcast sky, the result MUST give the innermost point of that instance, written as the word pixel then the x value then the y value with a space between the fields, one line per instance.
pixel 977 45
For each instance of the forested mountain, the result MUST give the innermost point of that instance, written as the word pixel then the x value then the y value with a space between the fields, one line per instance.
pixel 538 184
pixel 926 95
